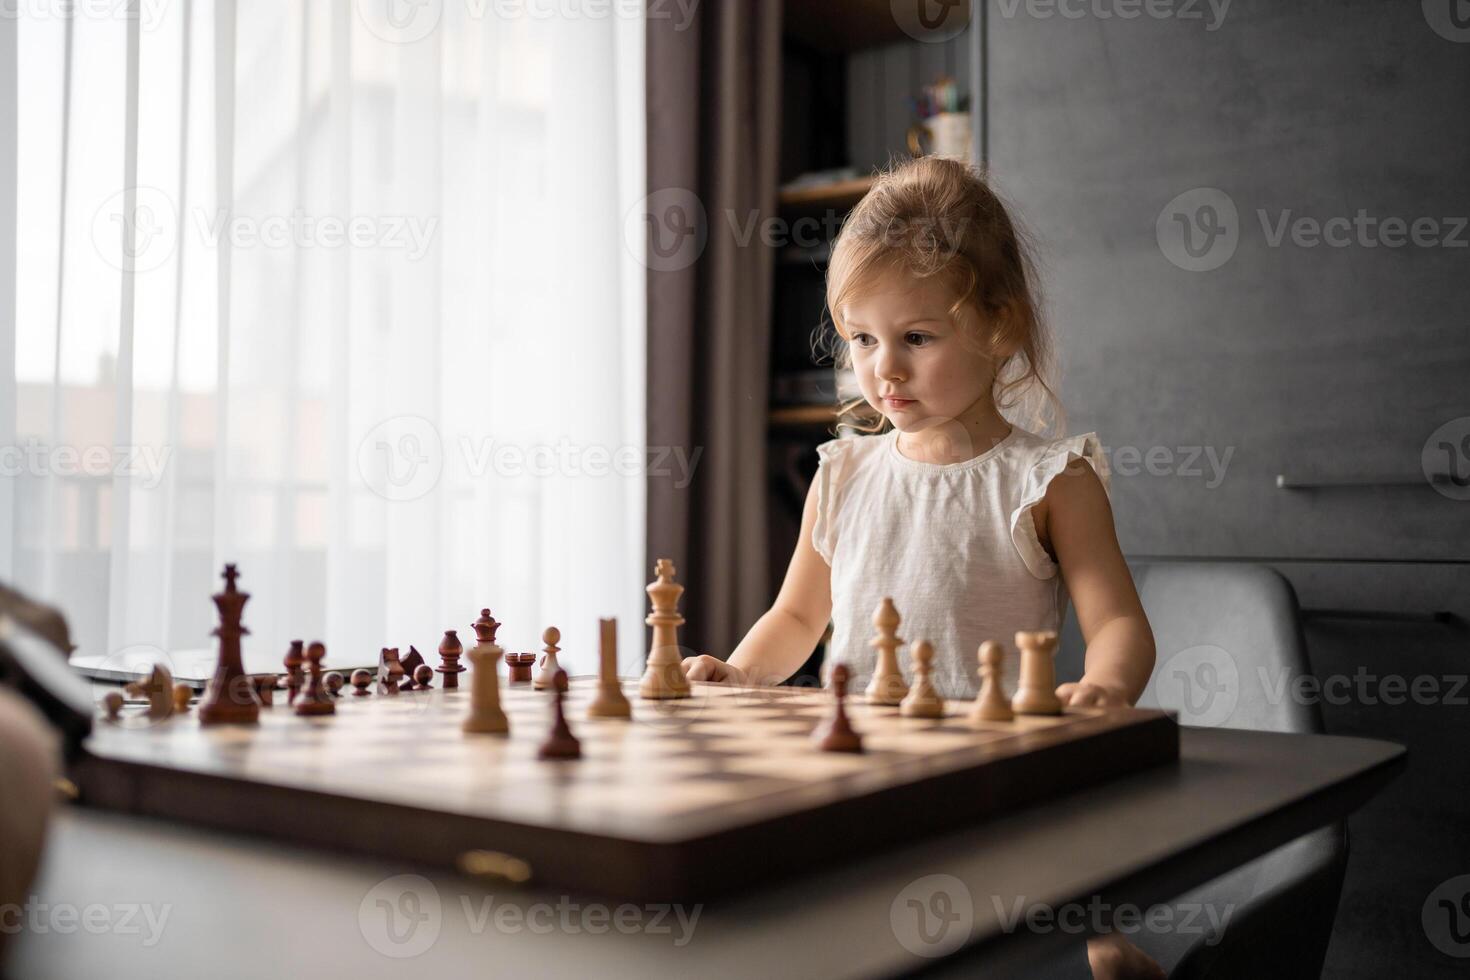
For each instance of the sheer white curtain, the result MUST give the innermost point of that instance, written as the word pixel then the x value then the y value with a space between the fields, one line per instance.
pixel 339 292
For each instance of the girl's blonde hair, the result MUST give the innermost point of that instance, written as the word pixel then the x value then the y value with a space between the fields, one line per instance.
pixel 933 216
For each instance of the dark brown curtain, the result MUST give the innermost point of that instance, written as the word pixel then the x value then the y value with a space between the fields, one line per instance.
pixel 713 140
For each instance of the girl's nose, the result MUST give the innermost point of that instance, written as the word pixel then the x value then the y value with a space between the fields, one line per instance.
pixel 890 366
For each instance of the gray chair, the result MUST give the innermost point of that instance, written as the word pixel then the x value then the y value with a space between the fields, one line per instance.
pixel 1229 644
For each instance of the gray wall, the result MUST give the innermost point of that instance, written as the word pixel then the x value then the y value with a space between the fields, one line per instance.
pixel 1335 362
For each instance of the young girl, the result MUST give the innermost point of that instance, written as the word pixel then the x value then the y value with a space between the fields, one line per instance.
pixel 974 526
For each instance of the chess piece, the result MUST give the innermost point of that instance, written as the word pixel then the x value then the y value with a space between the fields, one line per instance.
pixel 887 685
pixel 158 688
pixel 314 699
pixel 991 704
pixel 486 627
pixel 230 698
pixel 610 701
pixel 664 676
pixel 560 743
pixel 836 734
pixel 922 701
pixel 546 673
pixel 1036 692
pixel 183 694
pixel 486 716
pixel 449 651
pixel 390 671
pixel 411 664
pixel 294 674
pixel 112 703
pixel 519 666
pixel 334 683
pixel 362 680
pixel 423 677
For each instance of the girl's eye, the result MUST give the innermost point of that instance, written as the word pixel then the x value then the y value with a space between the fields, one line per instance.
pixel 917 339
pixel 862 340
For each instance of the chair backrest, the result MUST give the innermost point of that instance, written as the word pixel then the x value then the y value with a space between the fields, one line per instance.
pixel 1229 642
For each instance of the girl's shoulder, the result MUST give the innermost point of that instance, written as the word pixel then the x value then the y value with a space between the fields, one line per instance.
pixel 850 447
pixel 1040 459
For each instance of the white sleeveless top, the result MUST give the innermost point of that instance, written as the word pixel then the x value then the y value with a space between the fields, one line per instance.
pixel 953 545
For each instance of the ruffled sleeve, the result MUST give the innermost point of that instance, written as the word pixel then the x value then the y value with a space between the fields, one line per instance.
pixel 1051 460
pixel 832 459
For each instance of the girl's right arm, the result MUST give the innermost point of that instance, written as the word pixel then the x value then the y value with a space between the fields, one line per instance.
pixel 783 638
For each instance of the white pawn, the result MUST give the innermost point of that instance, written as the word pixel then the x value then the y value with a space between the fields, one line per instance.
pixel 546 673
pixel 991 705
pixel 922 701
pixel 887 685
pixel 486 717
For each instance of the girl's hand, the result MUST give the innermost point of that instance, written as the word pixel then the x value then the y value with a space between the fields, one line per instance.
pixel 707 668
pixel 1085 694
pixel 1114 958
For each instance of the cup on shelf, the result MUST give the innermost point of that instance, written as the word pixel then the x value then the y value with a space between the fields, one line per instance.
pixel 945 134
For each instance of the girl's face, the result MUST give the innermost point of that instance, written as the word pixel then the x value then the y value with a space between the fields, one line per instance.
pixel 911 360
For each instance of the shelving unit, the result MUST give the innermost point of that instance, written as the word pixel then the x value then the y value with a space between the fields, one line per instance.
pixel 848 73
pixel 792 416
pixel 837 194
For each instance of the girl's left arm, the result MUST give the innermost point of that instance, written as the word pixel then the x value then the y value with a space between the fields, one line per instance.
pixel 1075 524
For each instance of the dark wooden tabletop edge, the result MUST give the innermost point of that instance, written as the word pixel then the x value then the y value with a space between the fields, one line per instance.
pixel 1205 860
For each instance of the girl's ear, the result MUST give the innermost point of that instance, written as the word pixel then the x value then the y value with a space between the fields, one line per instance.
pixel 1004 342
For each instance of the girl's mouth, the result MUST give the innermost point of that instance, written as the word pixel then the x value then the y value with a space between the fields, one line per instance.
pixel 898 404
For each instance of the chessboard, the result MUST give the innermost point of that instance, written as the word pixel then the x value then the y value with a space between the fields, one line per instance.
pixel 691 798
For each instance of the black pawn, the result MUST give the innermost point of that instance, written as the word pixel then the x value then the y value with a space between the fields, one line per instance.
pixel 837 733
pixel 314 700
pixel 561 743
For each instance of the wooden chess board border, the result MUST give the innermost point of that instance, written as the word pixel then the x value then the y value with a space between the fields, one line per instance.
pixel 677 859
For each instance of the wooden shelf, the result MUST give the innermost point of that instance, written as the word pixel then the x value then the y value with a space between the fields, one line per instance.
pixel 838 194
pixel 796 415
